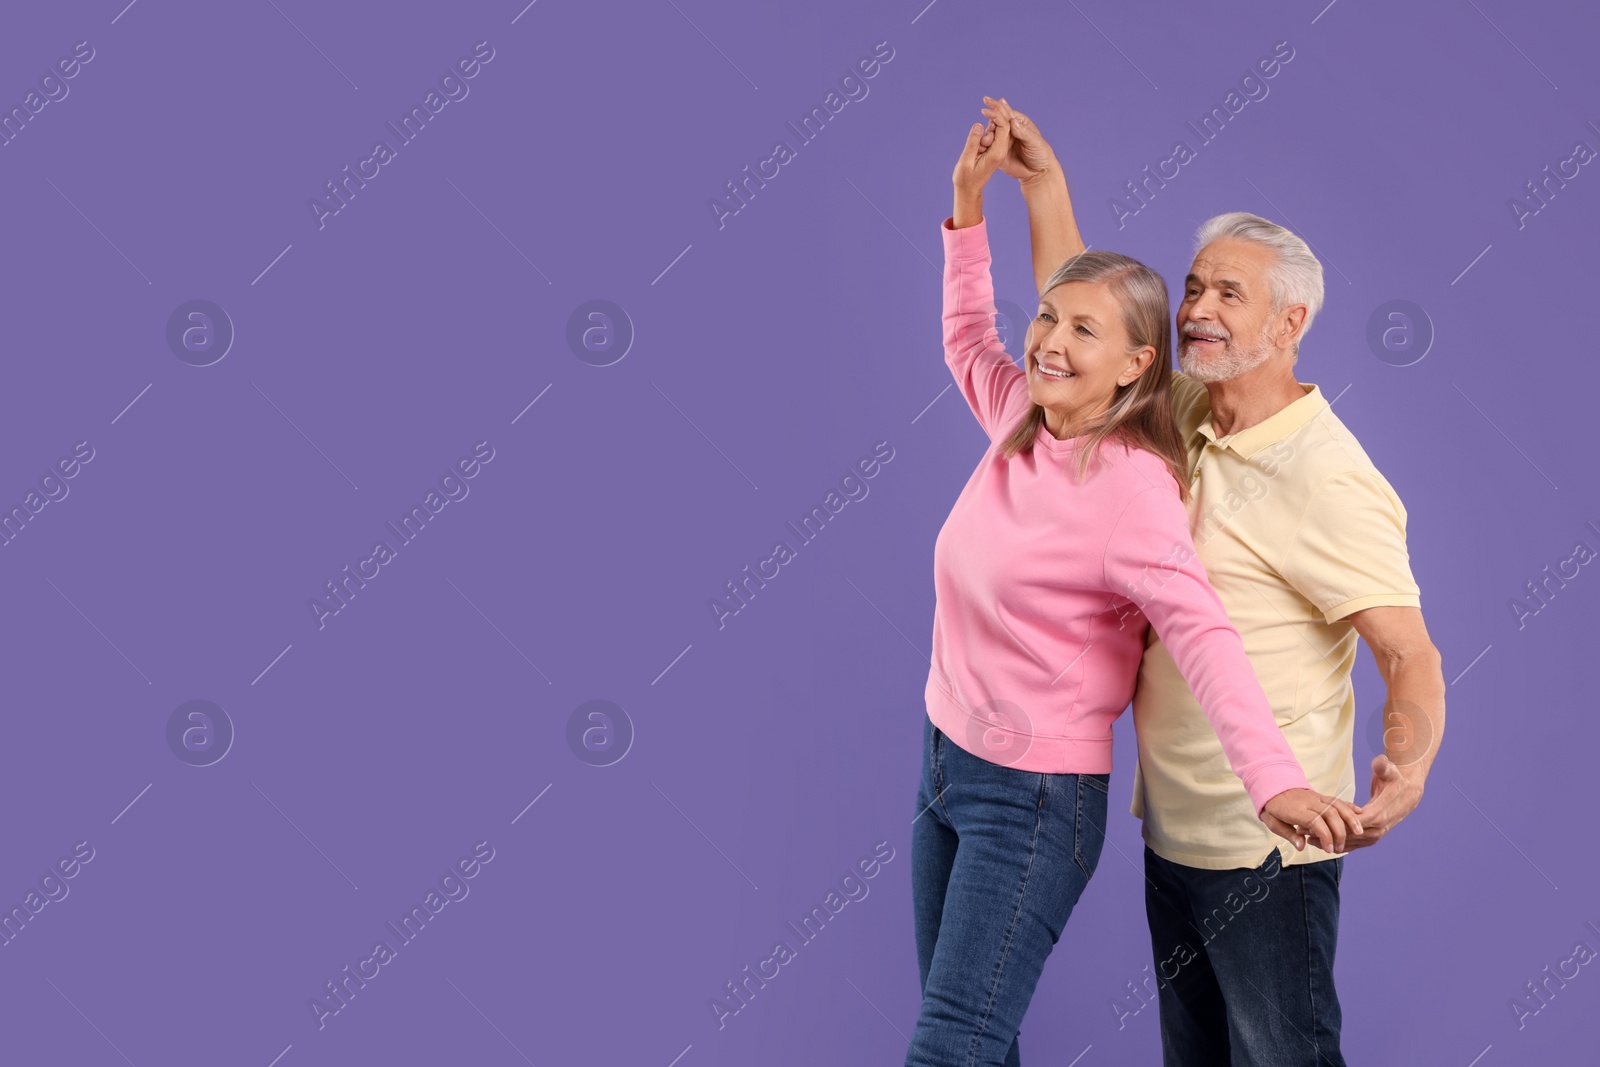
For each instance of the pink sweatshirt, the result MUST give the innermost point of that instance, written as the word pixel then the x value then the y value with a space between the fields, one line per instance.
pixel 1046 586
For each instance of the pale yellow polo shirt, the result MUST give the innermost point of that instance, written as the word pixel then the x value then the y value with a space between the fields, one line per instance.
pixel 1296 529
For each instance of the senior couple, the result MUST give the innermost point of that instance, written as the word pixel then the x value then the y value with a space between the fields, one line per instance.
pixel 1208 544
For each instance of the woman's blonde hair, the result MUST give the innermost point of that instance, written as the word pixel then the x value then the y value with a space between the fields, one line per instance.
pixel 1140 414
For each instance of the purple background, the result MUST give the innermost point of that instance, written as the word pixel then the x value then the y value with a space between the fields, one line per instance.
pixel 772 754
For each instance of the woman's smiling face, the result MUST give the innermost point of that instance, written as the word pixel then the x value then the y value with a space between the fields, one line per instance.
pixel 1076 352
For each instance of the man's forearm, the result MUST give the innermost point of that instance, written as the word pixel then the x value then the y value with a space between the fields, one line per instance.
pixel 1414 719
pixel 1051 225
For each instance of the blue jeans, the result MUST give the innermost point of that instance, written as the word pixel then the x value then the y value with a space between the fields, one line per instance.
pixel 999 858
pixel 1244 962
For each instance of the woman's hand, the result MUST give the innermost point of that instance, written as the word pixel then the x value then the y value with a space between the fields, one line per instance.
pixel 976 166
pixel 1299 815
pixel 1030 157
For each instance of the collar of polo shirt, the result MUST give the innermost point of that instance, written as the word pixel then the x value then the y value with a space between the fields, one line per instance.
pixel 1274 428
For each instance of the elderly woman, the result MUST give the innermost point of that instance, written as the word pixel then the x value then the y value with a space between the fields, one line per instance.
pixel 1068 542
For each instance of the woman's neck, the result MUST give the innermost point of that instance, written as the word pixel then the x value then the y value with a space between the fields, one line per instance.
pixel 1063 428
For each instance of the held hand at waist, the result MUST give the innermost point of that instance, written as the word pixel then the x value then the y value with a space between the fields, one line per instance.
pixel 1302 815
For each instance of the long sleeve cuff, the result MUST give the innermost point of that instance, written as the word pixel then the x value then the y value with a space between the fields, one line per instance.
pixel 1268 781
pixel 969 242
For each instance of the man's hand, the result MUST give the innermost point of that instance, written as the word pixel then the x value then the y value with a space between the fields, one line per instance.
pixel 1302 815
pixel 1396 792
pixel 1030 157
pixel 976 166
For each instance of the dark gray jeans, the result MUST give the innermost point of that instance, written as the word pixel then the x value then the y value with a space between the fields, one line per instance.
pixel 1244 962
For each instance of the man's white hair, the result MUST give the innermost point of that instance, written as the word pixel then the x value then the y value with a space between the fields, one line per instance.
pixel 1296 274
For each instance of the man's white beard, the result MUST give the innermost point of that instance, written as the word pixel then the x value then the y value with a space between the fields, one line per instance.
pixel 1222 366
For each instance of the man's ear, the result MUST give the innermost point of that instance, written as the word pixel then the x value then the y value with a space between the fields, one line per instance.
pixel 1291 325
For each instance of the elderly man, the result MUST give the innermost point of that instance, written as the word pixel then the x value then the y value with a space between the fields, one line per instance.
pixel 1304 541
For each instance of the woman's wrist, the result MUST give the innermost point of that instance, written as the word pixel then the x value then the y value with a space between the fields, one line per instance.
pixel 968 210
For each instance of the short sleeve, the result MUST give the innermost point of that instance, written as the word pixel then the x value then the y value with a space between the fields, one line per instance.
pixel 1349 552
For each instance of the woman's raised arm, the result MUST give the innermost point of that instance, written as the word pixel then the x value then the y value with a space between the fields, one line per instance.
pixel 986 373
